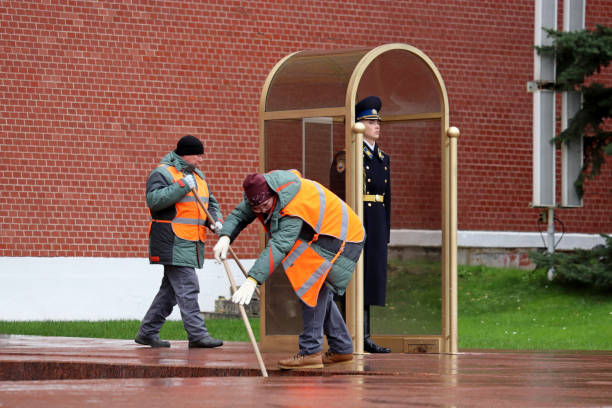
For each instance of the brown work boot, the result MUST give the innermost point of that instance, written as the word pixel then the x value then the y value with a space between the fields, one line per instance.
pixel 332 358
pixel 301 361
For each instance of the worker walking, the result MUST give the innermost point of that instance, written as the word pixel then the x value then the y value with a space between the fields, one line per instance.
pixel 177 233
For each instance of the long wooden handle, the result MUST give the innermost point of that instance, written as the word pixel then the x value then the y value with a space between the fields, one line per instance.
pixel 247 324
pixel 244 272
pixel 212 221
pixel 243 314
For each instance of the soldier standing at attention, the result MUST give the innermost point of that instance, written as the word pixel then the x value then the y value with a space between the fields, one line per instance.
pixel 376 214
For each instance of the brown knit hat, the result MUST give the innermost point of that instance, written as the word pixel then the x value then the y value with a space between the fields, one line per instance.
pixel 256 189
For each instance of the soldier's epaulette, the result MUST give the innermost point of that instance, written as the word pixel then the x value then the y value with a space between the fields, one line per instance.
pixel 381 154
pixel 367 152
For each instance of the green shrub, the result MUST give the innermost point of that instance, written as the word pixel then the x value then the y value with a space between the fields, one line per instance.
pixel 580 267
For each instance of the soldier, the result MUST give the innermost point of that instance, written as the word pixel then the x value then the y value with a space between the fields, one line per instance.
pixel 336 175
pixel 376 214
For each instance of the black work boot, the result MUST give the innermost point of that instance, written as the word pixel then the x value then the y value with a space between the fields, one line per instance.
pixel 368 345
pixel 371 347
pixel 206 342
pixel 153 341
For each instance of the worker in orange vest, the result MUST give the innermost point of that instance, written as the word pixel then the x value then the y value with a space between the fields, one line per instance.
pixel 177 232
pixel 318 239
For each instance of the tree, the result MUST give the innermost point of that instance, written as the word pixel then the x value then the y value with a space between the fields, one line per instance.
pixel 579 55
pixel 581 267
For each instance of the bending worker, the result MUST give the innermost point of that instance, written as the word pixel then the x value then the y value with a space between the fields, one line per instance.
pixel 318 240
pixel 176 240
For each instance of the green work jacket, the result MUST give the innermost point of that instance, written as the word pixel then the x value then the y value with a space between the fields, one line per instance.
pixel 282 233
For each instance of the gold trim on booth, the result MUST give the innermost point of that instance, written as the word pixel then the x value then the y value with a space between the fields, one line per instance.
pixel 447 342
pixel 304 113
pixel 416 116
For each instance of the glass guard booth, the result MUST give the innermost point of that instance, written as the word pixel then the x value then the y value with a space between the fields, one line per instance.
pixel 306 122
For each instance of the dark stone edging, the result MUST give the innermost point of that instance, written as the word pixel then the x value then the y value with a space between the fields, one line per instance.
pixel 60 370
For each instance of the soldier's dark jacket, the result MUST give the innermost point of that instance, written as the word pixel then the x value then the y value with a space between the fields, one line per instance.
pixel 377 223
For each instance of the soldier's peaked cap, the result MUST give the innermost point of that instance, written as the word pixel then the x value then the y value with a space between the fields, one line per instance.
pixel 368 108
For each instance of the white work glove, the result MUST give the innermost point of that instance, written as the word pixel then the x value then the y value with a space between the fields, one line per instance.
pixel 189 180
pixel 221 247
pixel 243 295
pixel 216 227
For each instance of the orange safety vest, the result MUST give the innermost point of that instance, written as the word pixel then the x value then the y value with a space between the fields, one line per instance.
pixel 189 222
pixel 327 215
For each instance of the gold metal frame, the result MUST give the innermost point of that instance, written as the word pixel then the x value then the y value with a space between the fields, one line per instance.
pixel 447 341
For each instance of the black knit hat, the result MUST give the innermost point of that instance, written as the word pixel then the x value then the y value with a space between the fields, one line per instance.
pixel 189 145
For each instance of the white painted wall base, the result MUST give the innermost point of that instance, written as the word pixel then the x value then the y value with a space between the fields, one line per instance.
pixel 491 248
pixel 494 239
pixel 122 288
pixel 96 288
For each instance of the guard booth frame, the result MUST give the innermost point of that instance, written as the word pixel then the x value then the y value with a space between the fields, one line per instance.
pixel 298 89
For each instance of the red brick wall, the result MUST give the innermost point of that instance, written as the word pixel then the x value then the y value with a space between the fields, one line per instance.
pixel 93 94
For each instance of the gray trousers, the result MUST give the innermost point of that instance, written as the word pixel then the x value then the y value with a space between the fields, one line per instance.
pixel 324 318
pixel 180 286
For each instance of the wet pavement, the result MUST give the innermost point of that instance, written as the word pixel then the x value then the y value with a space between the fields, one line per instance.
pixel 75 372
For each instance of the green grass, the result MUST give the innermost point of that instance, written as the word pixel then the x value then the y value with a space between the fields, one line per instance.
pixel 499 308
pixel 517 309
pixel 225 329
pixel 414 304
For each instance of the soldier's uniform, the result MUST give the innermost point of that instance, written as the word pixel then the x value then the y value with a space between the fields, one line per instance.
pixel 376 220
pixel 376 217
pixel 336 175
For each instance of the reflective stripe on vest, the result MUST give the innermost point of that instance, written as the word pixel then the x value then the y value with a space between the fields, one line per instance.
pixel 297 252
pixel 328 215
pixel 189 222
pixel 325 212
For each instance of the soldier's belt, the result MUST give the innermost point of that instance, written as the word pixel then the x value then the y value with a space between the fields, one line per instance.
pixel 374 198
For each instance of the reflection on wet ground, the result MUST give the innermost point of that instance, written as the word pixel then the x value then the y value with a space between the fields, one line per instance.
pixel 76 372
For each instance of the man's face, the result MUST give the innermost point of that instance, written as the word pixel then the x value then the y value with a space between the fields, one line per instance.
pixel 194 159
pixel 264 207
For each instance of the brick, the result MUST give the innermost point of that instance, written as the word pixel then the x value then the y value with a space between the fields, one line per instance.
pixel 101 91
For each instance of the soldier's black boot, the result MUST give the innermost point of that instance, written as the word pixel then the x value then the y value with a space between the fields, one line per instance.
pixel 368 344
